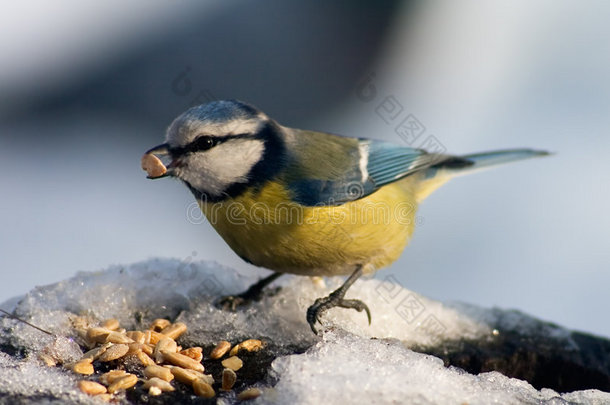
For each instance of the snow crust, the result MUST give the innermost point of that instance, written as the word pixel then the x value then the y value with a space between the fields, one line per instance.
pixel 344 365
pixel 372 364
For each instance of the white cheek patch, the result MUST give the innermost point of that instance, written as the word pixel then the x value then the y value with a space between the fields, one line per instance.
pixel 215 170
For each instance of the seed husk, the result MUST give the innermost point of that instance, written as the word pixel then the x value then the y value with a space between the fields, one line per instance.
pixel 185 375
pixel 203 389
pixel 93 354
pixel 134 348
pixel 145 359
pixel 250 393
pixel 91 387
pixel 156 371
pixel 228 379
pixel 195 353
pixel 147 335
pixel 83 366
pixel 98 335
pixel 123 383
pixel 137 336
pixel 159 324
pixel 111 376
pixel 155 337
pixel 118 338
pixel 220 350
pixel 112 324
pixel 183 361
pixel 233 362
pixel 174 330
pixel 148 349
pixel 159 383
pixel 251 345
pixel 114 352
pixel 165 345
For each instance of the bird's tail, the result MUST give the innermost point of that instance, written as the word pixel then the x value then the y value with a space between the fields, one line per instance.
pixel 485 160
pixel 453 166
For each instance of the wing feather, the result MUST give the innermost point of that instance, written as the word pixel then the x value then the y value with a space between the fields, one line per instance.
pixel 333 170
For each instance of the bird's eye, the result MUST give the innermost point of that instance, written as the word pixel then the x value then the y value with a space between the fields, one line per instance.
pixel 203 143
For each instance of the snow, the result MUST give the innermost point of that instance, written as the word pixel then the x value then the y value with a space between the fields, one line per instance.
pixel 27 378
pixel 344 365
pixel 351 358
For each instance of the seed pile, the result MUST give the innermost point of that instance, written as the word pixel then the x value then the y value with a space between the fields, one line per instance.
pixel 156 357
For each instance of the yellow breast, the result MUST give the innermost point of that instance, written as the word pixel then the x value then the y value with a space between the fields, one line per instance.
pixel 268 230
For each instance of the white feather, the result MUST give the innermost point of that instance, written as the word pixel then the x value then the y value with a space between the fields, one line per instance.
pixel 363 148
pixel 213 171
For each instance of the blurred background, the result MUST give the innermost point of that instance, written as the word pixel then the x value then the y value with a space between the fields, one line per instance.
pixel 87 87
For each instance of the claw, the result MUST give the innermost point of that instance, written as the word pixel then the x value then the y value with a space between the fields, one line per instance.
pixel 335 299
pixel 357 305
pixel 322 305
pixel 232 302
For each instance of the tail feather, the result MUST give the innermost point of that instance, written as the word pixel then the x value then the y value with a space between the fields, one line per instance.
pixel 453 166
pixel 498 157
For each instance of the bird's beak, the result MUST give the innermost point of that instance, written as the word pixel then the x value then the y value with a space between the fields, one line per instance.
pixel 162 149
pixel 151 163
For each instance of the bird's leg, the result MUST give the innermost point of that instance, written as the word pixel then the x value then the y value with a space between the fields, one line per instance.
pixel 254 293
pixel 335 299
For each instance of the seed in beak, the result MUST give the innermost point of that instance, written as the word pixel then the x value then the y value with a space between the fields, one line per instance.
pixel 153 166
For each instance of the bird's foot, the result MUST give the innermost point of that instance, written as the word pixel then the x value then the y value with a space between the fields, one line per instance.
pixel 322 305
pixel 337 299
pixel 232 302
pixel 255 293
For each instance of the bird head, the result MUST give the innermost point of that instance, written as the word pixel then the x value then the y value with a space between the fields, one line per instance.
pixel 221 148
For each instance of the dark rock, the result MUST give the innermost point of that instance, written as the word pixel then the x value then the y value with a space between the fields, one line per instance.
pixel 543 354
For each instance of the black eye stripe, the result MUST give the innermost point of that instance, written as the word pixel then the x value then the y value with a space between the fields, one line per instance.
pixel 205 142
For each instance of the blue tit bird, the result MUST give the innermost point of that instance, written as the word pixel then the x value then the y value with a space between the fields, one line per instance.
pixel 305 202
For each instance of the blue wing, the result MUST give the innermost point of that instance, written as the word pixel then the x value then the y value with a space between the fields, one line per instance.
pixel 334 176
pixel 388 162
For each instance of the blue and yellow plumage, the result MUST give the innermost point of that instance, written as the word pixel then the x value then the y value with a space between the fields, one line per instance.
pixel 304 202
